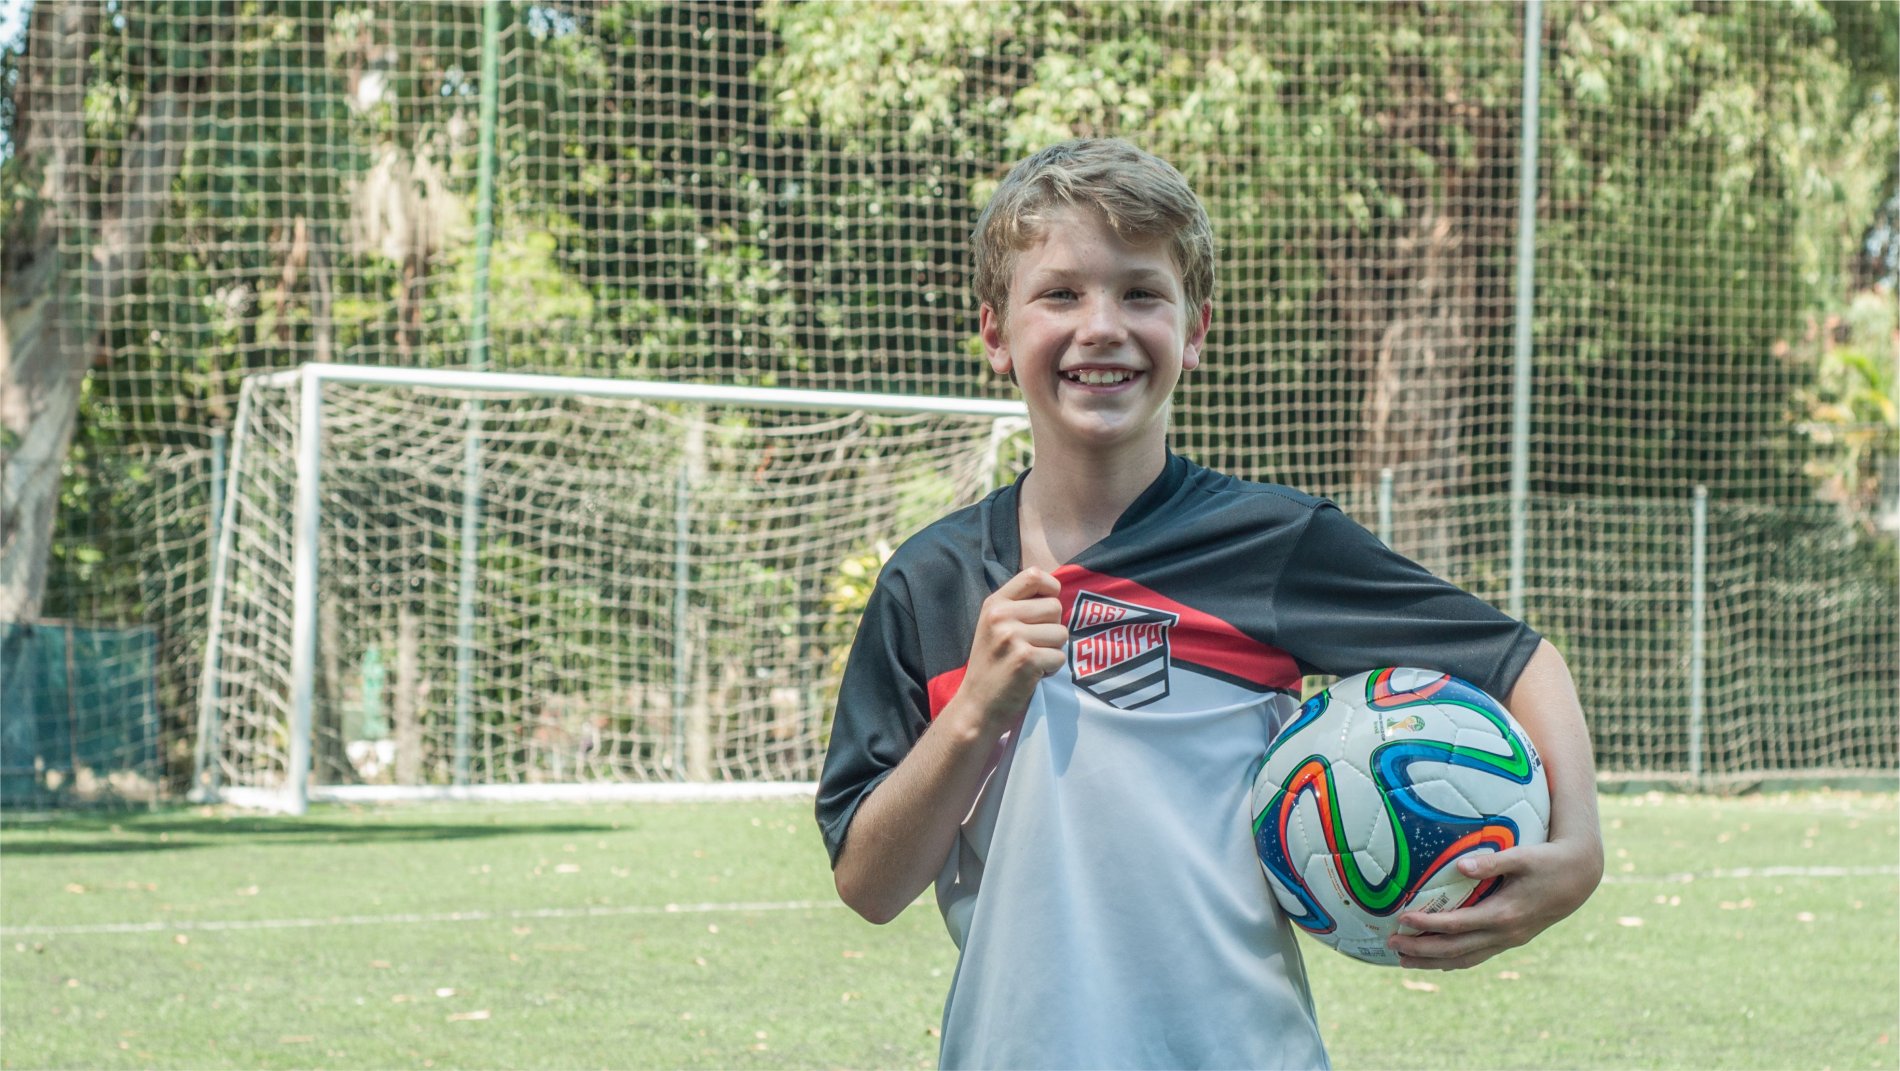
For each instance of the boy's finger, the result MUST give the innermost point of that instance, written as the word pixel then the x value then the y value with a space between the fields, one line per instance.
pixel 1033 582
pixel 1447 962
pixel 1458 920
pixel 1436 945
pixel 1472 866
pixel 1509 863
pixel 1491 864
pixel 1481 916
pixel 1048 636
pixel 1040 611
pixel 1019 586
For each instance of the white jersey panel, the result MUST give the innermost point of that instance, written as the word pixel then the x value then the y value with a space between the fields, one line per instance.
pixel 1066 960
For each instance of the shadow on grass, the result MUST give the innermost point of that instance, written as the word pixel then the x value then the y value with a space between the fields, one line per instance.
pixel 160 831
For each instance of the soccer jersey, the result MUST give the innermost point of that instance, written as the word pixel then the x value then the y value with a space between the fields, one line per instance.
pixel 1104 894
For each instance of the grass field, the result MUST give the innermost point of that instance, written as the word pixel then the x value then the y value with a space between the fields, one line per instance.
pixel 1745 932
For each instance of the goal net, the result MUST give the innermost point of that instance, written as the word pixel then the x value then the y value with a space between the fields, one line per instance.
pixel 477 583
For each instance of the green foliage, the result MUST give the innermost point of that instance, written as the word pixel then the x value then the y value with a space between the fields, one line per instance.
pixel 659 192
pixel 846 595
pixel 1851 413
pixel 526 282
pixel 1327 137
pixel 1748 180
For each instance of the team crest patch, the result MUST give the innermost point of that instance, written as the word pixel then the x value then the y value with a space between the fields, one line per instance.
pixel 1118 651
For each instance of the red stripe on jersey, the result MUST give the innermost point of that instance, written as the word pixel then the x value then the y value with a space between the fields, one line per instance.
pixel 1199 638
pixel 943 688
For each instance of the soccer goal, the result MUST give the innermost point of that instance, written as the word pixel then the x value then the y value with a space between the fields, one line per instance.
pixel 470 584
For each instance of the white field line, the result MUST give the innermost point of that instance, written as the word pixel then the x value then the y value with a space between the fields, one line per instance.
pixel 215 925
pixel 219 925
pixel 1741 872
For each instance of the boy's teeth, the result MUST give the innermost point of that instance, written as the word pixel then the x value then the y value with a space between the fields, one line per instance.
pixel 1098 379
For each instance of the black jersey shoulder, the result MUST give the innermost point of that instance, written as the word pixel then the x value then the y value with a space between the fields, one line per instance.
pixel 1219 489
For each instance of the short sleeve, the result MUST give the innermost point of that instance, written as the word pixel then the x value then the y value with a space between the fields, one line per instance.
pixel 1346 603
pixel 883 707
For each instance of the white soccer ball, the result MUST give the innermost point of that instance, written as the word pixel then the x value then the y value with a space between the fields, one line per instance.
pixel 1379 784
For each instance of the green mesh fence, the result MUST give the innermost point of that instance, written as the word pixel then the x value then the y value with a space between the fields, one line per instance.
pixel 79 719
pixel 781 194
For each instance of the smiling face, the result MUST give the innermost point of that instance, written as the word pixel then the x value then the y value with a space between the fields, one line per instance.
pixel 1097 334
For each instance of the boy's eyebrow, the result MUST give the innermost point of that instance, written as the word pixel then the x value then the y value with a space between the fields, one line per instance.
pixel 1151 275
pixel 1046 274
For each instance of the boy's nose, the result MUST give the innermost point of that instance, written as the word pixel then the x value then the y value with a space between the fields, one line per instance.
pixel 1101 324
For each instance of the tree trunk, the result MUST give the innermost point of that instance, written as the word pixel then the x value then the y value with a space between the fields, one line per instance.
pixel 1419 321
pixel 41 359
pixel 1414 412
pixel 49 309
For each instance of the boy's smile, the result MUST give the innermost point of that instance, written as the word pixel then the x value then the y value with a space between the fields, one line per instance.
pixel 1097 334
pixel 1100 377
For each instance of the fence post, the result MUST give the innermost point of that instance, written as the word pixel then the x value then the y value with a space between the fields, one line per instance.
pixel 1385 506
pixel 1526 287
pixel 1698 626
pixel 472 444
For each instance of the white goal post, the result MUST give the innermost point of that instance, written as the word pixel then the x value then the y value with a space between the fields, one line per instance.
pixel 456 584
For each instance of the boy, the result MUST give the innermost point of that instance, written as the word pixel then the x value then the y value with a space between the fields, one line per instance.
pixel 1057 695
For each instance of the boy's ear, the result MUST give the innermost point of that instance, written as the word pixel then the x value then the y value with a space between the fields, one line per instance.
pixel 995 346
pixel 1197 337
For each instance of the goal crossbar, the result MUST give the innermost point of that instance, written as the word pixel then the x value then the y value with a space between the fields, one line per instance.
pixel 646 390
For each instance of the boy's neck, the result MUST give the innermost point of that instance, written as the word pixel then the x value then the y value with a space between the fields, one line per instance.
pixel 1070 503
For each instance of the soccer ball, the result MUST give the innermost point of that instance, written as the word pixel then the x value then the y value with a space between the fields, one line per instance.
pixel 1370 794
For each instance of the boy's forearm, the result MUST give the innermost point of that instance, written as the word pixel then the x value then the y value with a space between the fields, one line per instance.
pixel 1545 702
pixel 1542 883
pixel 904 830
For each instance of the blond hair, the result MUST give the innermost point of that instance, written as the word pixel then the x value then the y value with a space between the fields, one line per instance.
pixel 1140 196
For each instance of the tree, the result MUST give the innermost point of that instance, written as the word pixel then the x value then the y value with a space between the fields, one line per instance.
pixel 1711 171
pixel 46 347
pixel 1705 173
